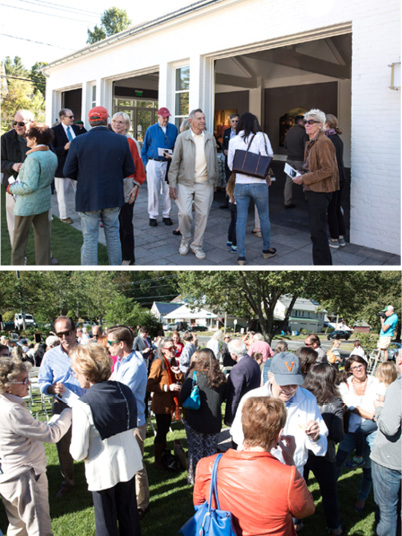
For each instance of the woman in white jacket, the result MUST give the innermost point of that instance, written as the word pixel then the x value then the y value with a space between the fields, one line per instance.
pixel 103 436
pixel 23 480
pixel 248 187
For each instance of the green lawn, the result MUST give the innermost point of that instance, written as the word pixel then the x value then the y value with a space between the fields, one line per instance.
pixel 171 500
pixel 65 242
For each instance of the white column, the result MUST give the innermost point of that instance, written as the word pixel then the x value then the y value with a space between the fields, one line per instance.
pixel 202 87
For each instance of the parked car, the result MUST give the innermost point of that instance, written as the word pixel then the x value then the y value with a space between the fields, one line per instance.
pixel 197 328
pixel 29 321
pixel 9 326
pixel 176 326
pixel 339 334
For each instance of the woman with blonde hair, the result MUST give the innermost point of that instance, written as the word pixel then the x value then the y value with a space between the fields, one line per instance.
pixel 320 180
pixel 104 419
pixel 23 480
pixel 121 125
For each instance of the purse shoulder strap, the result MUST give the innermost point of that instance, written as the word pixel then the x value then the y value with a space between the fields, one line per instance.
pixel 194 378
pixel 213 490
pixel 250 142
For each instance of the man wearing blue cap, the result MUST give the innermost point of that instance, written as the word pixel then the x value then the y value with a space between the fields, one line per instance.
pixel 304 421
pixel 389 321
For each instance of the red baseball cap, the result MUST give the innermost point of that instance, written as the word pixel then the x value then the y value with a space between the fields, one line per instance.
pixel 99 113
pixel 164 112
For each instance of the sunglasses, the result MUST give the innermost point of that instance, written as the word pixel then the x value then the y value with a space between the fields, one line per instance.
pixel 310 122
pixel 65 333
pixel 69 116
pixel 25 382
pixel 170 349
pixel 111 343
pixel 20 123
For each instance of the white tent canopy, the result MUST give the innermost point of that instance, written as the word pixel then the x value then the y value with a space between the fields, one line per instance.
pixel 185 313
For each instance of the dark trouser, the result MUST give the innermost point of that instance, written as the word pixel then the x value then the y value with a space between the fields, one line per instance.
pixel 127 232
pixel 163 421
pixel 63 449
pixel 41 225
pixel 232 225
pixel 325 474
pixel 317 203
pixel 117 504
pixel 336 220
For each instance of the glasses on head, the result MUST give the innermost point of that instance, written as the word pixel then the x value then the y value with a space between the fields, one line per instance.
pixel 310 122
pixel 24 382
pixel 64 333
pixel 111 343
pixel 358 367
pixel 20 123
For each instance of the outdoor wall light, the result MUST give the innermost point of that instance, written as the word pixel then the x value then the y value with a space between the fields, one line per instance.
pixel 395 76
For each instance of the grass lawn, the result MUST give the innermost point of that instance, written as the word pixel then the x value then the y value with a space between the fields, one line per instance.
pixel 65 242
pixel 171 500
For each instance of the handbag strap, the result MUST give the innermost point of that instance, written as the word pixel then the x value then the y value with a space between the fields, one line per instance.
pixel 194 378
pixel 213 490
pixel 251 141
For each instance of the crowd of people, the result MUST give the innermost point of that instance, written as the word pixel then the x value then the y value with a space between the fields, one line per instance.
pixel 287 412
pixel 105 167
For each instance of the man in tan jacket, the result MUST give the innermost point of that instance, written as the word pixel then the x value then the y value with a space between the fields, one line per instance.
pixel 193 174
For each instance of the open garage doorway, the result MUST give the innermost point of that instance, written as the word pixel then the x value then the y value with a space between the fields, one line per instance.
pixel 277 84
pixel 138 97
pixel 72 100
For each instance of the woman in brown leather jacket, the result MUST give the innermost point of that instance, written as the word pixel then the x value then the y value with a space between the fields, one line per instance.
pixel 320 180
pixel 164 382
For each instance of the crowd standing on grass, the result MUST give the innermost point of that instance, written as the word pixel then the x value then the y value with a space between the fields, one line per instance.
pixel 105 168
pixel 289 414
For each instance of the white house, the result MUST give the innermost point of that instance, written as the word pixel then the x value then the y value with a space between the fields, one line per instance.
pixel 274 59
pixel 200 317
pixel 161 309
pixel 306 314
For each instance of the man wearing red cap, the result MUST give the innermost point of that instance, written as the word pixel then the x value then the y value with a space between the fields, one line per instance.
pixel 99 160
pixel 156 154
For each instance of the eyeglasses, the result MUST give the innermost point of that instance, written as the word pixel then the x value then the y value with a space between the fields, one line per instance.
pixel 358 367
pixel 69 116
pixel 310 122
pixel 308 344
pixel 25 382
pixel 111 343
pixel 170 349
pixel 234 120
pixel 20 123
pixel 65 333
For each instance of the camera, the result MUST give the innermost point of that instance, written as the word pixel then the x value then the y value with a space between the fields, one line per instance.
pixel 382 315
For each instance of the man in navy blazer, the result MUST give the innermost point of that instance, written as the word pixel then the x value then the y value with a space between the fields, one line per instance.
pixel 99 160
pixel 244 376
pixel 228 134
pixel 64 133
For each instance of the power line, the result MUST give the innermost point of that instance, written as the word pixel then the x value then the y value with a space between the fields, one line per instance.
pixel 59 7
pixel 32 41
pixel 49 14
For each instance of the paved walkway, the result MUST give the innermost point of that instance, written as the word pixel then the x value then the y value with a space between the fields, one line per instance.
pixel 289 232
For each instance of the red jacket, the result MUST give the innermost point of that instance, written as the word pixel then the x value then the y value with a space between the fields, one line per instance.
pixel 261 493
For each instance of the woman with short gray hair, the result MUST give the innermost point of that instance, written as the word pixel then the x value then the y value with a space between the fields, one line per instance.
pixel 319 179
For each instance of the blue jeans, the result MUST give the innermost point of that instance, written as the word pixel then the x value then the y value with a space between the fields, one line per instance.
pixel 346 447
pixel 259 194
pixel 387 495
pixel 90 231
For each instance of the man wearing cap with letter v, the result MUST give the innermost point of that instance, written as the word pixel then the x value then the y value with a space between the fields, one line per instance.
pixel 156 153
pixel 304 421
pixel 99 160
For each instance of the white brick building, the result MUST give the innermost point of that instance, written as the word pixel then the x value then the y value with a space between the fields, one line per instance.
pixel 270 58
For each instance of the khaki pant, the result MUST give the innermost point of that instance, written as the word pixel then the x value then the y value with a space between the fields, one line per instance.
pixel 203 195
pixel 26 502
pixel 40 223
pixel 141 478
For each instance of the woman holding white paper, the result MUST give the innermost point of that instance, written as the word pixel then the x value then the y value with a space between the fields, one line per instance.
pixel 250 188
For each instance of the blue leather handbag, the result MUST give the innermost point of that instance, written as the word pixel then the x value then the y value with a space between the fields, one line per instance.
pixel 208 521
pixel 193 401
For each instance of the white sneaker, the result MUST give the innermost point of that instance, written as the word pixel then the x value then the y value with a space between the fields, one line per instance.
pixel 184 248
pixel 199 253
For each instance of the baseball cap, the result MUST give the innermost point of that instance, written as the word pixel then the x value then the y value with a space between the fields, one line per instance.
pixel 164 112
pixel 52 340
pixel 99 113
pixel 285 366
pixel 388 308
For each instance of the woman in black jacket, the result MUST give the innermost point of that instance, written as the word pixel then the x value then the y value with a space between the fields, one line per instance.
pixel 321 381
pixel 336 221
pixel 204 424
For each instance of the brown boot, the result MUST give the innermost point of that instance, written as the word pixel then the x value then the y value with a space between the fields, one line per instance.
pixel 158 451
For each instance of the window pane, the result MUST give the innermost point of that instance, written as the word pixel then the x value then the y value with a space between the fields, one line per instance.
pixel 144 120
pixel 182 78
pixel 145 104
pixel 182 103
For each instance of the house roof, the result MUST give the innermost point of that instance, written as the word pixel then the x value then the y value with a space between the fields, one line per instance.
pixel 166 308
pixel 185 312
pixel 132 31
pixel 301 304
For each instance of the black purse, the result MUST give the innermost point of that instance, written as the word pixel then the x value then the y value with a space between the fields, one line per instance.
pixel 253 164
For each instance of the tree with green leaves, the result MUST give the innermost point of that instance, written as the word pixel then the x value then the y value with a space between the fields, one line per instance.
pixel 113 21
pixel 38 78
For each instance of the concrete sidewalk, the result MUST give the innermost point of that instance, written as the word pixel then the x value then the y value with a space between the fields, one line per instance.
pixel 289 231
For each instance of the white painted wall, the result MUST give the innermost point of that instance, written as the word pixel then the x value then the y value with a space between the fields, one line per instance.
pixel 197 39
